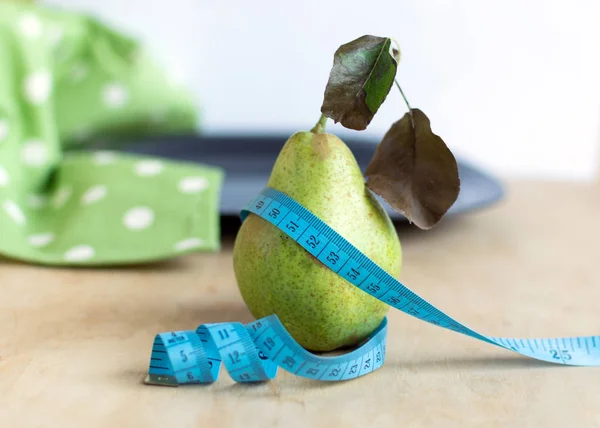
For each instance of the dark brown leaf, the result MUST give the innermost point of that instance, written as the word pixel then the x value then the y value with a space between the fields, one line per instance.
pixel 361 77
pixel 414 171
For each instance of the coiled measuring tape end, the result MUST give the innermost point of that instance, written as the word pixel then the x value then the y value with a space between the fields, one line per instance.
pixel 253 353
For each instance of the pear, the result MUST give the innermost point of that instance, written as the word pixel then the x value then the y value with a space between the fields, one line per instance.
pixel 321 310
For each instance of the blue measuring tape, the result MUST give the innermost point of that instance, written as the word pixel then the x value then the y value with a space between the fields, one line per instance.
pixel 253 352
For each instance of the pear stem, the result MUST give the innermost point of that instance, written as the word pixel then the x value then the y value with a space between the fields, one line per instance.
pixel 412 120
pixel 319 128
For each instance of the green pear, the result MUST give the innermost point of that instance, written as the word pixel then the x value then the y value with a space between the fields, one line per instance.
pixel 320 309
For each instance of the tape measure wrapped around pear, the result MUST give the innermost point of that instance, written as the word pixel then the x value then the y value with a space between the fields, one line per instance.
pixel 412 170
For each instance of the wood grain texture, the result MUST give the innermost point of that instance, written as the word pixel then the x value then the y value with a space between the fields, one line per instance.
pixel 75 344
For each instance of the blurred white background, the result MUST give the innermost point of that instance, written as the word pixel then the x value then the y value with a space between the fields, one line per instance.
pixel 512 85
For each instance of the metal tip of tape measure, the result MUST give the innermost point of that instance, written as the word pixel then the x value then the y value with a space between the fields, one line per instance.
pixel 160 380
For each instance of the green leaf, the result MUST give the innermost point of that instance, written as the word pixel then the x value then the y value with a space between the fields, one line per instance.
pixel 361 77
pixel 414 171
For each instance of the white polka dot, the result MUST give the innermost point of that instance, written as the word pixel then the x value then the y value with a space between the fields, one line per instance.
pixel 193 184
pixel 115 95
pixel 79 71
pixel 79 253
pixel 3 130
pixel 37 201
pixel 4 178
pixel 188 244
pixel 30 25
pixel 138 218
pixel 38 86
pixel 147 168
pixel 34 153
pixel 104 158
pixel 93 194
pixel 14 212
pixel 41 239
pixel 62 196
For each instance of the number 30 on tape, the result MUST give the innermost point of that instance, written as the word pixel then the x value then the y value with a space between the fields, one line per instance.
pixel 253 352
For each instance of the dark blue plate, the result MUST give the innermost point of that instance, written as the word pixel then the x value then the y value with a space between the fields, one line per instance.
pixel 248 160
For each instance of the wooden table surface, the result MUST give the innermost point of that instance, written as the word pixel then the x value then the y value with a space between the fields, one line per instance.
pixel 75 344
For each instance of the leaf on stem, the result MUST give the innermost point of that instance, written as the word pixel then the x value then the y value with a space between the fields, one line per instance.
pixel 361 77
pixel 414 171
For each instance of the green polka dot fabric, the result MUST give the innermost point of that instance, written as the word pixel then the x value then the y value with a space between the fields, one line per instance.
pixel 68 82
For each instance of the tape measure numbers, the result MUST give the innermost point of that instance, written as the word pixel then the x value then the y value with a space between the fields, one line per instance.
pixel 254 351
